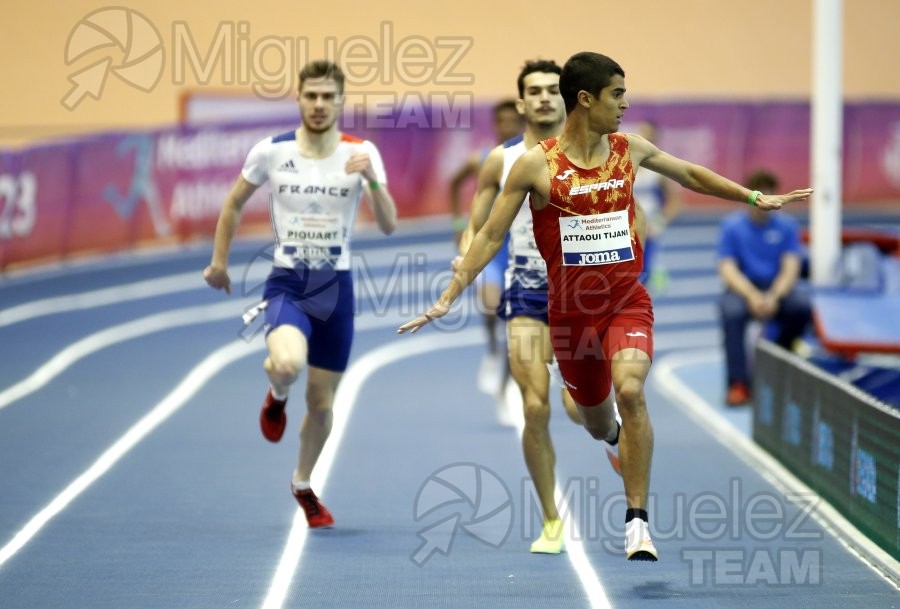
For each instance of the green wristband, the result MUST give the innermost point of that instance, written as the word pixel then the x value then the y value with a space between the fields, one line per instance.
pixel 753 196
pixel 374 185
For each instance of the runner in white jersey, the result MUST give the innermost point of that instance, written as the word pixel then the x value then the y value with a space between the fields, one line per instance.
pixel 493 372
pixel 524 302
pixel 316 176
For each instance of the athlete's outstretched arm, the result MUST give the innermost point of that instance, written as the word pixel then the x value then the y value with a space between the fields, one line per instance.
pixel 520 182
pixel 216 274
pixel 703 180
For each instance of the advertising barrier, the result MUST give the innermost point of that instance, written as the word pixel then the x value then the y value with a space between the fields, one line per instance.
pixel 114 191
pixel 841 442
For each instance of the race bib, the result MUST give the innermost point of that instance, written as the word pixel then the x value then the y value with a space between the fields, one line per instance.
pixel 595 239
pixel 315 240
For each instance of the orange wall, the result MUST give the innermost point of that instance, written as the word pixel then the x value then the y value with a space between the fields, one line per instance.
pixel 670 49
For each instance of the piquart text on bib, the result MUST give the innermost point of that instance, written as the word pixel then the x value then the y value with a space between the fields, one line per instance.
pixel 314 240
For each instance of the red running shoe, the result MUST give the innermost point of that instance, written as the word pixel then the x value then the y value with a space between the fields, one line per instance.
pixel 272 419
pixel 738 393
pixel 317 515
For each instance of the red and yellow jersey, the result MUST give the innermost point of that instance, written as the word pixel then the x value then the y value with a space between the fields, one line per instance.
pixel 587 231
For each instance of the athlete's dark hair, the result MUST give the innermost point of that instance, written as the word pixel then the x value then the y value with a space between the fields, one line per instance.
pixel 322 69
pixel 538 65
pixel 589 72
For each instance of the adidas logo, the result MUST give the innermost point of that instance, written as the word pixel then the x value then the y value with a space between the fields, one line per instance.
pixel 288 167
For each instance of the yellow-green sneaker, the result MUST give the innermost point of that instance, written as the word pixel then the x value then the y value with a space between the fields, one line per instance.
pixel 551 539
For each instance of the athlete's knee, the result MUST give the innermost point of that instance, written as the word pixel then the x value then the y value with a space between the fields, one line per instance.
pixel 319 399
pixel 630 395
pixel 284 370
pixel 536 410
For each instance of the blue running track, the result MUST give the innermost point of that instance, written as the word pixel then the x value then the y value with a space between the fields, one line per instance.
pixel 134 476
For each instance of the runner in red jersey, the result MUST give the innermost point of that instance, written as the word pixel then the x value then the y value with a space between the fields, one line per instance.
pixel 584 220
pixel 587 234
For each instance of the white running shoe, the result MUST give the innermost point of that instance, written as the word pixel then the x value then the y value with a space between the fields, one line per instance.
pixel 503 411
pixel 509 408
pixel 490 374
pixel 638 545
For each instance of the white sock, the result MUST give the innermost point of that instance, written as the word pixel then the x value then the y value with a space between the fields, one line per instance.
pixel 302 485
pixel 278 396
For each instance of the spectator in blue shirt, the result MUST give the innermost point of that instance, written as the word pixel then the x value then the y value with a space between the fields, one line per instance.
pixel 759 262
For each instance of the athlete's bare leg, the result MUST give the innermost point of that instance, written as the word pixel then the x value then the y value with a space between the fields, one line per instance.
pixel 529 353
pixel 571 407
pixel 629 372
pixel 320 389
pixel 287 357
pixel 600 419
pixel 490 299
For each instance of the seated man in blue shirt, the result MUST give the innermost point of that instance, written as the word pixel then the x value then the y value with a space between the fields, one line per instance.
pixel 759 262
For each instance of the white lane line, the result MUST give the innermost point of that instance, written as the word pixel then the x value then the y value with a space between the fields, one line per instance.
pixel 364 262
pixel 348 392
pixel 705 415
pixel 186 389
pixel 574 539
pixel 92 343
pixel 157 322
pixel 137 290
pixel 159 413
pixel 575 550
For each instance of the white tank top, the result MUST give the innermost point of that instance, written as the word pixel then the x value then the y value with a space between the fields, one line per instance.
pixel 526 267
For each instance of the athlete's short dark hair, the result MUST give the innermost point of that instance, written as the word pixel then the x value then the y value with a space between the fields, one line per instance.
pixel 322 69
pixel 586 71
pixel 538 65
